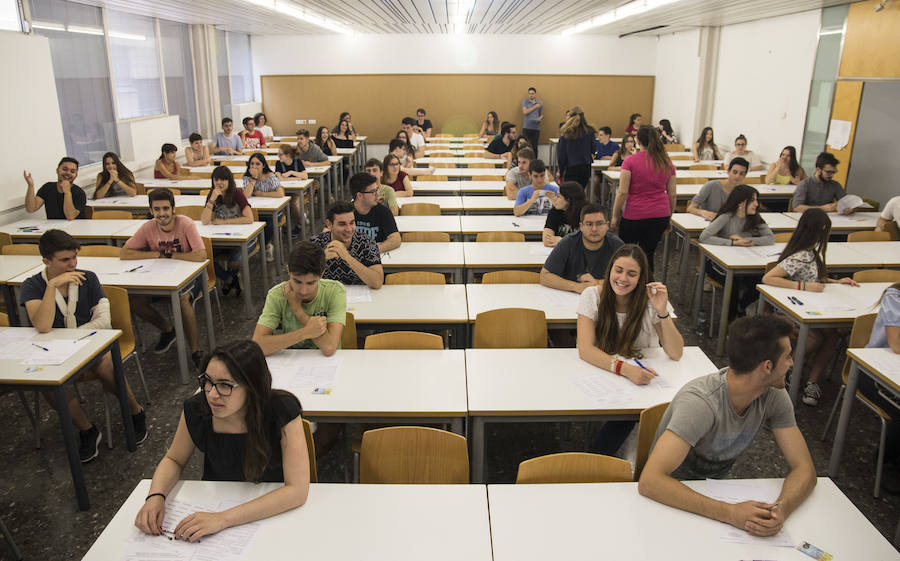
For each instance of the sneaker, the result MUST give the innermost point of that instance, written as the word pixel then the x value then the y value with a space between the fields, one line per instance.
pixel 165 342
pixel 812 393
pixel 90 444
pixel 270 253
pixel 197 358
pixel 139 420
pixel 296 231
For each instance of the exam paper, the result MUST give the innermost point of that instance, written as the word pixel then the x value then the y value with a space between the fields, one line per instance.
pixel 13 344
pixel 605 390
pixel 358 293
pixel 823 301
pixel 220 230
pixel 158 266
pixel 739 491
pixel 53 352
pixel 300 374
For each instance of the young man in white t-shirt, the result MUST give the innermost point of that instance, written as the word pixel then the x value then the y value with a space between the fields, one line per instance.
pixel 890 213
pixel 415 138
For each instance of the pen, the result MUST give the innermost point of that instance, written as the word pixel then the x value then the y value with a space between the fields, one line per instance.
pixel 798 301
pixel 86 336
pixel 40 347
pixel 514 224
pixel 134 269
pixel 641 365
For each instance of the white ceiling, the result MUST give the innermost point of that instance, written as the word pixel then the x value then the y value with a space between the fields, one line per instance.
pixel 479 16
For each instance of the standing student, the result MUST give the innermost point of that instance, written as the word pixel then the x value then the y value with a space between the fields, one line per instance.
pixel 738 223
pixel 168 235
pixel 714 418
pixel 518 177
pixel 324 142
pixel 821 190
pixel 628 147
pixel 740 151
pixel 386 194
pixel 424 124
pixel 262 125
pixel 309 152
pixel 226 204
pixel 705 147
pixel 576 148
pixel 618 319
pixel 565 216
pixel 196 153
pixel 62 199
pixel 801 266
pixel 309 311
pixel 538 197
pixel 115 180
pixel 63 296
pixel 395 177
pixel 261 181
pixel 247 431
pixel 786 169
pixel 226 142
pixel 373 219
pixel 712 195
pixel 605 147
pixel 666 134
pixel 166 167
pixel 491 125
pixel 634 123
pixel 352 257
pixel 252 138
pixel 533 111
pixel 647 183
pixel 501 146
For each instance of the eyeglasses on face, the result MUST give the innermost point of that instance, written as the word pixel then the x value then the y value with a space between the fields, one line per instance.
pixel 222 388
pixel 597 224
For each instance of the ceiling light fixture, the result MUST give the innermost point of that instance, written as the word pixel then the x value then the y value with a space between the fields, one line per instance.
pixel 302 14
pixel 628 10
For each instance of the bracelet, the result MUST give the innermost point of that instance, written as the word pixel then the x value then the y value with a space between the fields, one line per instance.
pixel 612 364
pixel 799 285
pixel 663 317
pixel 619 367
pixel 155 495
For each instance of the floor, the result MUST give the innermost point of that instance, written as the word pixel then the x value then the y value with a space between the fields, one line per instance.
pixel 37 501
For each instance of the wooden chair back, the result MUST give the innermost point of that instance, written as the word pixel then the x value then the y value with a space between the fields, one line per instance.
pixel 487 165
pixel 139 187
pixel 877 275
pixel 770 265
pixel 112 215
pixel 172 189
pixel 311 450
pixel 192 212
pixel 702 167
pixel 425 237
pixel 869 236
pixel 690 180
pixel 756 180
pixel 20 249
pixel 647 426
pixel 680 157
pixel 500 237
pixel 487 178
pixel 443 165
pixel 210 265
pixel 511 277
pixel 4 320
pixel 442 155
pixel 404 340
pixel 443 135
pixel 120 316
pixel 415 277
pixel 892 229
pixel 674 147
pixel 6 239
pixel 348 335
pixel 99 251
pixel 574 467
pixel 859 337
pixel 408 455
pixel 420 209
pixel 184 171
pixel 510 328
pixel 783 237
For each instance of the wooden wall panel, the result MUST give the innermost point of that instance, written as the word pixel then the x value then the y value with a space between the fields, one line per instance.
pixel 847 96
pixel 455 103
pixel 872 41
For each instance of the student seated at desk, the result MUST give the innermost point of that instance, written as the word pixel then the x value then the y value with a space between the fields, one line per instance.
pixel 289 167
pixel 581 258
pixel 345 117
pixel 634 123
pixel 786 169
pixel 520 144
pixel 536 198
pixel 262 125
pixel 226 142
pixel 373 219
pixel 247 431
pixel 394 176
pixel 196 153
pixel 63 199
pixel 604 148
pixel 820 191
pixel 890 213
pixel 310 311
pixel 518 176
pixel 740 151
pixel 408 124
pixel 619 317
pixel 63 296
pixel 403 150
pixel 801 266
pixel 712 195
pixel 168 235
pixel 309 152
pixel 491 125
pixel 251 137
pixel 166 167
pixel 666 133
pixel 352 256
pixel 628 147
pixel 324 141
pixel 501 146
pixel 226 204
pixel 386 194
pixel 565 216
pixel 115 180
pixel 705 147
pixel 714 418
pixel 424 124
pixel 261 181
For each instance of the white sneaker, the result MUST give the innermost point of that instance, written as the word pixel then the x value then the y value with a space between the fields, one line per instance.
pixel 812 393
pixel 270 253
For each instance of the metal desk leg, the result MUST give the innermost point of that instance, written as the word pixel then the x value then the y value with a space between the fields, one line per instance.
pixel 843 420
pixel 245 277
pixel 290 227
pixel 119 374
pixel 323 187
pixel 276 241
pixel 457 425
pixel 683 266
pixel 207 309
pixel 698 290
pixel 723 317
pixel 180 341
pixel 11 311
pixel 68 432
pixel 262 257
pixel 477 424
pixel 799 355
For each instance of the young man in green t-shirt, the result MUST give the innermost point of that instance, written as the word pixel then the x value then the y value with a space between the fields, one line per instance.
pixel 311 311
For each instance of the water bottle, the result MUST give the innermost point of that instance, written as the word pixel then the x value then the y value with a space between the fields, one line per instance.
pixel 701 322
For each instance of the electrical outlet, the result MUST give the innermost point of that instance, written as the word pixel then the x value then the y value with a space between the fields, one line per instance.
pixel 312 121
pixel 300 122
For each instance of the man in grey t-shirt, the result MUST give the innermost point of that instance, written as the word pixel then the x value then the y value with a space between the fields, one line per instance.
pixel 310 153
pixel 714 418
pixel 226 142
pixel 820 190
pixel 712 195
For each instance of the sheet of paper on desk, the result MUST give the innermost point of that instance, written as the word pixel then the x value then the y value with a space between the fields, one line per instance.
pixel 823 301
pixel 157 266
pixel 220 229
pixel 13 344
pixel 358 293
pixel 539 250
pixel 739 491
pixel 57 351
pixel 603 389
pixel 300 375
pixel 764 252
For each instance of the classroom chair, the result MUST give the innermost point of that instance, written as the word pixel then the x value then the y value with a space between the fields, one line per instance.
pixel 311 451
pixel 877 275
pixel 647 426
pixel 442 165
pixel 184 171
pixel 783 237
pixel 139 187
pixel 869 236
pixel 679 157
pixel 471 135
pixel 442 155
pixel 21 249
pixel 443 135
pixel 415 277
pixel 892 229
pixel 420 209
pixel 413 455
pixel 192 212
pixel 172 189
pixel 510 328
pixel 690 180
pixel 111 215
pixel 500 237
pixel 702 167
pixel 487 178
pixel 425 237
pixel 511 277
pixel 574 467
pixel 211 274
pixel 757 180
pixel 859 336
pixel 484 166
pixel 404 340
pixel 99 251
pixel 5 239
pixel 120 316
pixel 348 335
pixel 674 147
pixel 203 192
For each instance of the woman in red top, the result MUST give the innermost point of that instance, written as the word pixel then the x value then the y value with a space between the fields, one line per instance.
pixel 634 123
pixel 166 166
pixel 395 177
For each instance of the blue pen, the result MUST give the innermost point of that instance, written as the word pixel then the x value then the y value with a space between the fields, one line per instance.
pixel 641 365
pixel 798 301
pixel 86 336
pixel 40 347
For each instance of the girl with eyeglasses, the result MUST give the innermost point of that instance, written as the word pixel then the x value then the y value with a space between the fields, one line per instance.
pixel 247 430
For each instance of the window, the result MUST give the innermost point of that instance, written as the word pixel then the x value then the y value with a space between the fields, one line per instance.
pixel 179 74
pixel 78 51
pixel 241 67
pixel 135 64
pixel 10 18
pixel 222 70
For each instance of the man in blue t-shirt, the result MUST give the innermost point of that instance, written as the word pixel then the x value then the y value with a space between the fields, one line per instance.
pixel 62 296
pixel 538 197
pixel 604 147
pixel 533 111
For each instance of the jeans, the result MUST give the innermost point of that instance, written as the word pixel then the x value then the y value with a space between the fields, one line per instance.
pixel 533 136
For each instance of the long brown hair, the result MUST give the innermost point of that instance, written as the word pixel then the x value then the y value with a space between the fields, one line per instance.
pixel 125 175
pixel 385 166
pixel 222 172
pixel 702 143
pixel 576 126
pixel 648 137
pixel 611 338
pixel 811 233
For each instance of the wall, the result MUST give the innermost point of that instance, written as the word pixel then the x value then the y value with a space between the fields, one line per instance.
pixel 872 44
pixel 873 175
pixel 140 140
pixel 764 73
pixel 677 70
pixel 241 110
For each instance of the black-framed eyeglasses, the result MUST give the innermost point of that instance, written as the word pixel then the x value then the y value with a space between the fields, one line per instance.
pixel 370 192
pixel 222 388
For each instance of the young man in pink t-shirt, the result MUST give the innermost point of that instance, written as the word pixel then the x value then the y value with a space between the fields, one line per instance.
pixel 251 137
pixel 171 236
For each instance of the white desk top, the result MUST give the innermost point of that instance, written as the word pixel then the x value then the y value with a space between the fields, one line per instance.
pixel 238 171
pixel 694 173
pixel 694 224
pixel 162 274
pixel 469 172
pixel 684 190
pixel 413 303
pixel 446 202
pixel 338 522
pixel 558 305
pixel 505 254
pixel 13 372
pixel 185 183
pixel 142 202
pixel 382 383
pixel 443 223
pixel 474 150
pixel 612 521
pixel 424 254
pixel 346 151
pixel 828 306
pixel 888 252
pixel 495 187
pixel 883 362
pixel 243 157
pixel 838 254
pixel 215 232
pixel 77 228
pixel 543 380
pixel 448 139
pixel 488 202
pixel 603 164
pixel 473 223
pixel 849 222
pixel 462 161
pixel 12 266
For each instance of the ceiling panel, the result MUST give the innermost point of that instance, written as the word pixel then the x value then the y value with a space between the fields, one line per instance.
pixel 452 16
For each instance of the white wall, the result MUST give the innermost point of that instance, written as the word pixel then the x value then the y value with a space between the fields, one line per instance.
pixel 140 140
pixel 676 88
pixel 241 110
pixel 764 73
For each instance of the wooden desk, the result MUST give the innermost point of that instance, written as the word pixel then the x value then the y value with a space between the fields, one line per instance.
pixel 443 223
pixel 540 522
pixel 15 376
pixel 545 390
pixel 456 187
pixel 444 258
pixel 460 161
pixel 558 305
pixel 497 256
pixel 338 522
pixel 449 205
pixel 530 225
pixel 846 222
pixel 487 204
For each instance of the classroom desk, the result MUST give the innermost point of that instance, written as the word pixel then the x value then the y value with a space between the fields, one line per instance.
pixel 767 193
pixel 613 176
pixel 14 376
pixel 613 521
pixel 338 522
pixel 85 231
pixel 443 223
pixel 11 266
pixel 460 161
pixel 384 386
pixel 559 306
pixel 448 204
pixel 498 256
pixel 166 278
pixel 432 140
pixel 470 152
pixel 415 307
pixel 456 187
pixel 858 300
pixel 531 225
pixel 459 173
pixel 487 204
pixel 539 385
pixel 444 258
pixel 189 185
pixel 846 222
pixel 600 165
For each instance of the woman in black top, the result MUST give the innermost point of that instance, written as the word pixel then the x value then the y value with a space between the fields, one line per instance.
pixel 565 216
pixel 576 148
pixel 626 149
pixel 324 141
pixel 247 431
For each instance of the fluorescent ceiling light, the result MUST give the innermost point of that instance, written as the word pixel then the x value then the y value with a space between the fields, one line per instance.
pixel 47 25
pixel 128 36
pixel 628 10
pixel 84 30
pixel 302 14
